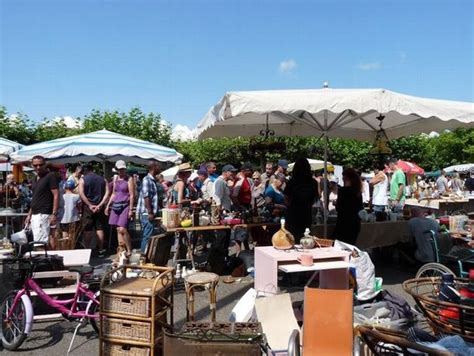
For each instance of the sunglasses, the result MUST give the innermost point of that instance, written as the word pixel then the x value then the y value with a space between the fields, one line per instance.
pixel 38 165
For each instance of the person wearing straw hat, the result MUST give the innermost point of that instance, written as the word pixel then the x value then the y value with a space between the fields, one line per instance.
pixel 179 193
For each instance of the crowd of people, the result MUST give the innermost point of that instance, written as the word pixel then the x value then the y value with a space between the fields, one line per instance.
pixel 85 199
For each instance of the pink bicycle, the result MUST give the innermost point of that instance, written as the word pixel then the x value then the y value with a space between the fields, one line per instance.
pixel 17 310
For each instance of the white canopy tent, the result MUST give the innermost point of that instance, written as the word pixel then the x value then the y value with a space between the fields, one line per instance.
pixel 7 147
pixel 345 113
pixel 100 146
pixel 460 168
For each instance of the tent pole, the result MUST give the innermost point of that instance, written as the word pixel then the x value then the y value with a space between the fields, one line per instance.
pixel 325 175
pixel 325 186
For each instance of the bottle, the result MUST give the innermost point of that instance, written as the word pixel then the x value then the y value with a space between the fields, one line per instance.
pixel 184 272
pixel 447 290
pixel 283 239
pixel 214 213
pixel 307 240
pixel 178 271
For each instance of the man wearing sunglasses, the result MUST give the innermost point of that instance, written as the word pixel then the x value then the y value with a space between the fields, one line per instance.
pixel 44 202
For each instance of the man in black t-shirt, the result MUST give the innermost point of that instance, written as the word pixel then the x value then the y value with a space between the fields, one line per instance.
pixel 44 202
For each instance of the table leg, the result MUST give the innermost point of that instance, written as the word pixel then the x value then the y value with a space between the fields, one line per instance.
pixel 266 274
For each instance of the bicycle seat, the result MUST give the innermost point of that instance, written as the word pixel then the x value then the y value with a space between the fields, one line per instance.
pixel 81 269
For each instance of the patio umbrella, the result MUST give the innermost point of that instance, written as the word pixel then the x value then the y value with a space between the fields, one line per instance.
pixel 408 168
pixel 99 146
pixel 315 164
pixel 460 168
pixel 7 147
pixel 350 113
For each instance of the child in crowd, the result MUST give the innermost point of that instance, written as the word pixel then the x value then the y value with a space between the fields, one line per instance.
pixel 72 203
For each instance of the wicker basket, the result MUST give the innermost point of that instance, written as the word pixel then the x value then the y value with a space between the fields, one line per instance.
pixel 443 317
pixel 126 329
pixel 387 341
pixel 130 305
pixel 323 242
pixel 111 349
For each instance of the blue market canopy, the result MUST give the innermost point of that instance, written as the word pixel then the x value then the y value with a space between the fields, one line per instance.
pixel 7 147
pixel 99 146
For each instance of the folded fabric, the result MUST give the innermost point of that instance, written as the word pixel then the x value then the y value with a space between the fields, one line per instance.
pixel 399 307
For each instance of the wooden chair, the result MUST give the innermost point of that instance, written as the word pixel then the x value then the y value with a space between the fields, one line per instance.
pixel 158 249
pixel 327 323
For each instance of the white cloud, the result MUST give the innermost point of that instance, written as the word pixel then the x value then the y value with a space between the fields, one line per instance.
pixel 288 66
pixel 370 66
pixel 68 121
pixel 403 56
pixel 182 133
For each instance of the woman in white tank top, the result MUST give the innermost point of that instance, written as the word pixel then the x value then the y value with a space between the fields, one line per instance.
pixel 379 196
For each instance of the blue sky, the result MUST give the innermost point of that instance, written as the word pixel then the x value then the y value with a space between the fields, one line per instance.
pixel 178 58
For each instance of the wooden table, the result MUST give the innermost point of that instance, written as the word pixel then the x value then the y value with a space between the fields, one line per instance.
pixel 187 230
pixel 442 205
pixel 374 234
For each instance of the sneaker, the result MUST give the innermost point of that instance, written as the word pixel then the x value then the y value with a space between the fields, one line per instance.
pixel 102 252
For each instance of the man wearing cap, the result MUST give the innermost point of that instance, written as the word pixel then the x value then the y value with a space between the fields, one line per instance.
pixel 282 166
pixel 147 206
pixel 94 192
pixel 221 194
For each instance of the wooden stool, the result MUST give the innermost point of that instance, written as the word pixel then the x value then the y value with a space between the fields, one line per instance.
pixel 204 279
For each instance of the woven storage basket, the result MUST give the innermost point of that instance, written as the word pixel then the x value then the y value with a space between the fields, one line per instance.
pixel 443 317
pixel 126 329
pixel 130 305
pixel 323 242
pixel 111 349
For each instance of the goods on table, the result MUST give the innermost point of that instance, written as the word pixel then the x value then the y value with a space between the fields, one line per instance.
pixel 171 217
pixel 283 239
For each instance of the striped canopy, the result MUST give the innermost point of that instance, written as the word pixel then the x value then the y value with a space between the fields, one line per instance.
pixel 7 147
pixel 99 146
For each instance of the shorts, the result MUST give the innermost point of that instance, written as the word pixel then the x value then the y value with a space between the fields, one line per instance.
pixel 40 227
pixel 93 221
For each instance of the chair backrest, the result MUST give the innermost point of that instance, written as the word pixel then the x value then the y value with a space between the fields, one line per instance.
pixel 159 249
pixel 435 243
pixel 276 315
pixel 327 322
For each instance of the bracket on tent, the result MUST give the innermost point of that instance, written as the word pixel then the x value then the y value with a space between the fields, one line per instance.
pixel 267 132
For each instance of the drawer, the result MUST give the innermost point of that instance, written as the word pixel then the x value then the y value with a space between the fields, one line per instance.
pixel 113 349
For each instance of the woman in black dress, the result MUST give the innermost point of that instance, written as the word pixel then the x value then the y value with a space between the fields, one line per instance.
pixel 348 205
pixel 300 193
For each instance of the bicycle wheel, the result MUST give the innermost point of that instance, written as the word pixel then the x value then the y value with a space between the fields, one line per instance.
pixel 433 269
pixel 12 331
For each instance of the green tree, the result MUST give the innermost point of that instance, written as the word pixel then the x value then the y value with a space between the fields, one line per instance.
pixel 135 123
pixel 15 127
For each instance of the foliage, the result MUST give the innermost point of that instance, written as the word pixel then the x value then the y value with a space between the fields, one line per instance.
pixel 449 148
pixel 15 127
pixel 135 123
